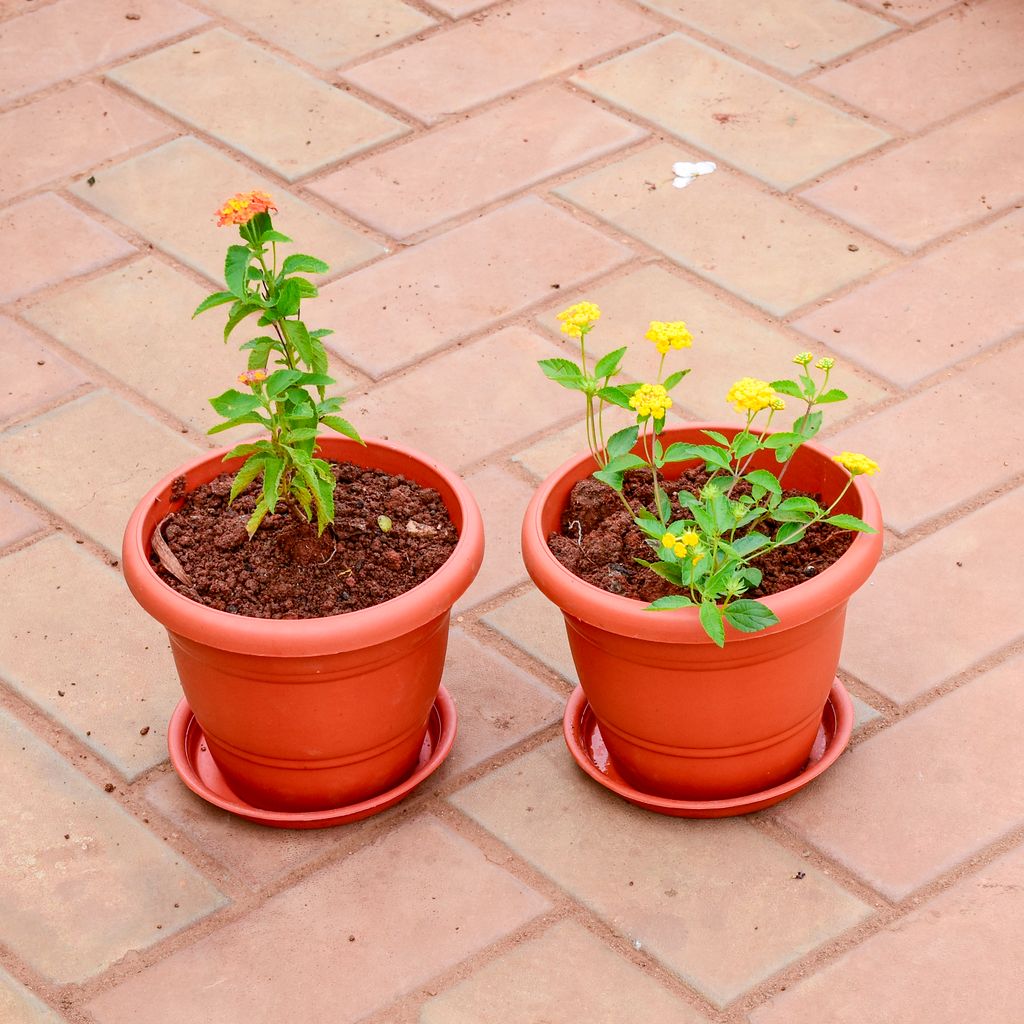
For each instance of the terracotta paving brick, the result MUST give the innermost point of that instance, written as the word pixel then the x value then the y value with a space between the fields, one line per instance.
pixel 954 959
pixel 329 32
pixel 174 361
pixel 16 521
pixel 899 810
pixel 470 402
pixel 751 120
pixel 929 314
pixel 728 344
pixel 73 36
pixel 765 248
pixel 51 241
pixel 503 499
pixel 312 124
pixel 902 645
pixel 715 902
pixel 914 11
pixel 788 34
pixel 972 418
pixel 933 184
pixel 444 901
pixel 535 626
pixel 71 907
pixel 34 376
pixel 63 601
pixel 563 977
pixel 473 162
pixel 952 64
pixel 18 1005
pixel 192 181
pixel 421 299
pixel 546 455
pixel 497 52
pixel 460 8
pixel 70 132
pixel 63 460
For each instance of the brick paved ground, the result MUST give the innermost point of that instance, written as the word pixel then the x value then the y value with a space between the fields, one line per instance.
pixel 468 169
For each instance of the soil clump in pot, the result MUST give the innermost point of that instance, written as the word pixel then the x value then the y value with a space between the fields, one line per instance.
pixel 285 571
pixel 600 543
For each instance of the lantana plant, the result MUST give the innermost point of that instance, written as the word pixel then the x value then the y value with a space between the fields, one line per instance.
pixel 707 544
pixel 290 402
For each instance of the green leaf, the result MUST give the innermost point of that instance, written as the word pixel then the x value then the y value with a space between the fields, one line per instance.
pixel 216 299
pixel 236 262
pixel 273 468
pixel 847 522
pixel 249 449
pixel 238 313
pixel 300 263
pixel 750 616
pixel 704 519
pixel 297 335
pixel 673 379
pixel 279 381
pixel 257 517
pixel 784 440
pixel 665 604
pixel 832 395
pixel 789 533
pixel 808 385
pixel 321 332
pixel 299 435
pixel 342 427
pixel 664 506
pixel 273 236
pixel 809 424
pixel 323 496
pixel 307 290
pixel 681 452
pixel 717 436
pixel 787 387
pixel 616 394
pixel 332 404
pixel 289 298
pixel 237 421
pixel 245 476
pixel 233 403
pixel 808 505
pixel 744 445
pixel 762 478
pixel 564 372
pixel 714 456
pixel 609 364
pixel 621 442
pixel 670 571
pixel 711 620
pixel 749 543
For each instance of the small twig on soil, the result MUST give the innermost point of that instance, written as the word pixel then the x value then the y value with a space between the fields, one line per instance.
pixel 579 538
pixel 167 557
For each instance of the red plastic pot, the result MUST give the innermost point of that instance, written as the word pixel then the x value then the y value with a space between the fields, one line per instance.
pixel 307 714
pixel 681 717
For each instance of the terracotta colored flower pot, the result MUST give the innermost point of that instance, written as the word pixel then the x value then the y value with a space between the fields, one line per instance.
pixel 681 717
pixel 306 714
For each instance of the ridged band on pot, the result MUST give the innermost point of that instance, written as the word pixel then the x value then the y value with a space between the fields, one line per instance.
pixel 681 717
pixel 303 714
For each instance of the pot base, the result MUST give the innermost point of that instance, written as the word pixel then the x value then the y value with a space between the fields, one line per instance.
pixel 583 738
pixel 196 768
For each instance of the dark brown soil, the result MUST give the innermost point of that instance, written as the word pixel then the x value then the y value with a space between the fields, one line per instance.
pixel 599 542
pixel 286 571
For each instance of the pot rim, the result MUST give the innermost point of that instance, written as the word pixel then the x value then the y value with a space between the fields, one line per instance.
pixel 628 617
pixel 314 636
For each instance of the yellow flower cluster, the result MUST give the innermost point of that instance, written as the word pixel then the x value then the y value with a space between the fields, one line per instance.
pixel 651 400
pixel 679 545
pixel 671 334
pixel 802 358
pixel 752 395
pixel 241 208
pixel 578 318
pixel 252 377
pixel 857 464
pixel 825 363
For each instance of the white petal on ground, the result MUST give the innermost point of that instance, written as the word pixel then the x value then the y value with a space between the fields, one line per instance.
pixel 686 172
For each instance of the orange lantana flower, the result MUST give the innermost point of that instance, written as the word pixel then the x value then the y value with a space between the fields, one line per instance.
pixel 241 208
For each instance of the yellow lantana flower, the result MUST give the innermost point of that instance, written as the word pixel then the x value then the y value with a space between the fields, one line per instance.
pixel 671 334
pixel 857 464
pixel 252 377
pixel 241 208
pixel 825 363
pixel 578 318
pixel 750 395
pixel 651 400
pixel 802 358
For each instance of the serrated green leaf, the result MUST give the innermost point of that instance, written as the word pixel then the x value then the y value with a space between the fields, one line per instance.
pixel 673 379
pixel 300 263
pixel 299 435
pixel 682 452
pixel 615 394
pixel 744 444
pixel 711 620
pixel 808 425
pixel 273 236
pixel 216 299
pixel 234 403
pixel 272 471
pixel 764 479
pixel 669 603
pixel 787 387
pixel 717 436
pixel 789 533
pixel 808 385
pixel 799 504
pixel 609 364
pixel 236 262
pixel 670 571
pixel 750 616
pixel 237 421
pixel 622 442
pixel 664 506
pixel 289 298
pixel 249 449
pixel 238 313
pixel 847 522
pixel 279 381
pixel 298 337
pixel 248 472
pixel 784 439
pixel 342 427
pixel 321 332
pixel 832 395
pixel 749 543
pixel 257 517
pixel 564 372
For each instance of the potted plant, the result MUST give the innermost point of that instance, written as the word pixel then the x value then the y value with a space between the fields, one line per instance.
pixel 703 572
pixel 305 581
